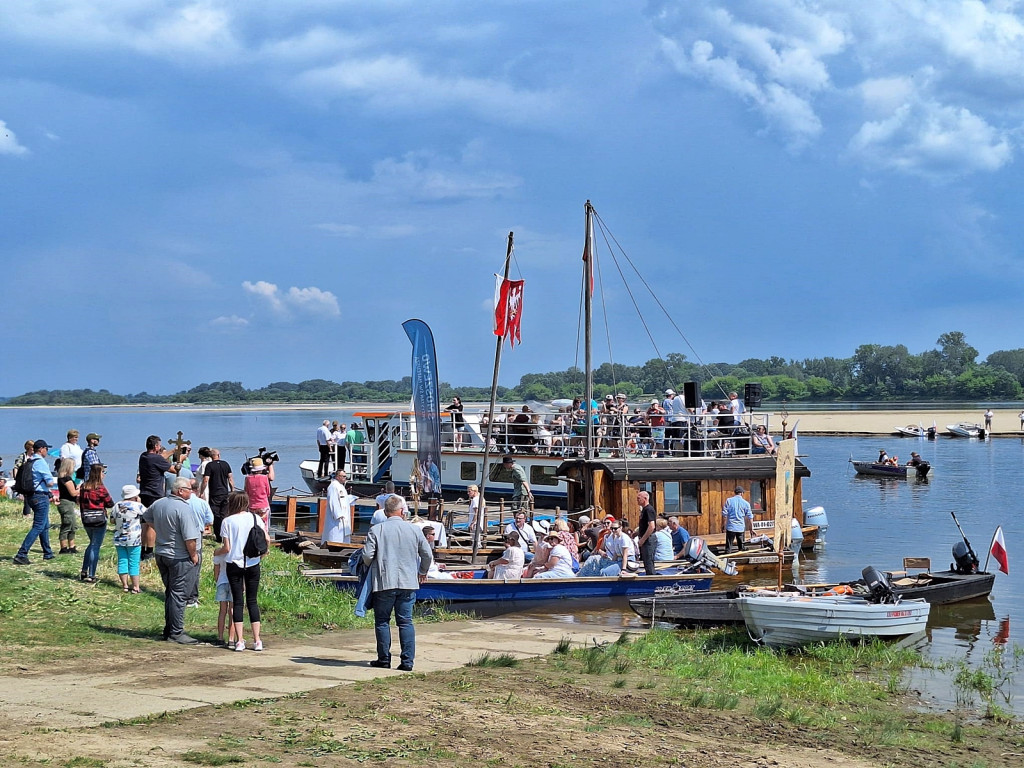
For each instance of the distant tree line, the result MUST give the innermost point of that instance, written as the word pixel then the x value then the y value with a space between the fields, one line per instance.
pixel 874 372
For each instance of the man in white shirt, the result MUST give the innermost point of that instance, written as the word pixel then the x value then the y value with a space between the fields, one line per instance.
pixel 338 526
pixel 323 444
pixel 527 536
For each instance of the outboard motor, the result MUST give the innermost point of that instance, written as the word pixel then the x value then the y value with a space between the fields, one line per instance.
pixel 879 588
pixel 964 560
pixel 697 552
pixel 922 470
pixel 695 549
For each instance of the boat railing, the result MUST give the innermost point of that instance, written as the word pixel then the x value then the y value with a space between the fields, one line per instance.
pixel 616 435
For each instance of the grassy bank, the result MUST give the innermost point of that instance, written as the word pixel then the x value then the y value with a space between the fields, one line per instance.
pixel 47 613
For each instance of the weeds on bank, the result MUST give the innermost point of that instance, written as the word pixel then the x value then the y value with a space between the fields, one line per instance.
pixel 44 606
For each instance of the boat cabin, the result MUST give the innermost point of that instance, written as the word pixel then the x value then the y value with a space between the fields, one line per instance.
pixel 692 489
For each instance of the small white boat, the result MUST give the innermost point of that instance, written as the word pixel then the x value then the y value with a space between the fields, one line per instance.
pixel 965 429
pixel 911 430
pixel 785 620
pixel 782 619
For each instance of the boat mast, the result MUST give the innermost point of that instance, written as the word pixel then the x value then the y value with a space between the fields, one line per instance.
pixel 490 420
pixel 588 282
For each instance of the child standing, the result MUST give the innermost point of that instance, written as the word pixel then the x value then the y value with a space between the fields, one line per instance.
pixel 224 599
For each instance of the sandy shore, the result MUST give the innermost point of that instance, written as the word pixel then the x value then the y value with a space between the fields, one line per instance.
pixel 1005 423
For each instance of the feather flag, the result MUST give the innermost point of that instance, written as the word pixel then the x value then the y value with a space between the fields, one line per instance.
pixel 998 550
pixel 508 309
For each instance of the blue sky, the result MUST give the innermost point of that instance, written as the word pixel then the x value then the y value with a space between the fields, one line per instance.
pixel 203 190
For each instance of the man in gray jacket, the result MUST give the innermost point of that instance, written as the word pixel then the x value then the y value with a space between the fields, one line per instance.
pixel 399 557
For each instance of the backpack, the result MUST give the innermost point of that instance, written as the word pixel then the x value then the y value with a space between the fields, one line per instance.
pixel 24 483
pixel 256 542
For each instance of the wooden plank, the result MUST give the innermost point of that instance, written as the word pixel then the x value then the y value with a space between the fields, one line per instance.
pixel 321 506
pixel 291 505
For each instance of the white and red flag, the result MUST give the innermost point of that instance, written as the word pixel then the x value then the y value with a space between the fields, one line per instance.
pixel 998 550
pixel 508 309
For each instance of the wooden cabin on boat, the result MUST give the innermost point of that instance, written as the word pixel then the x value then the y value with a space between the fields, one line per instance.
pixel 693 489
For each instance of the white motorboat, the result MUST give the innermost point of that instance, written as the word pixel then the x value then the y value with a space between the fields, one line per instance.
pixel 781 619
pixel 911 430
pixel 965 429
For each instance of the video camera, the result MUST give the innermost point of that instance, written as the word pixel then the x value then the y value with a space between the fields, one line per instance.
pixel 267 457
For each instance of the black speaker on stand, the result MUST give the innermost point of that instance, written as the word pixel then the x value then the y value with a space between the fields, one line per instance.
pixel 691 394
pixel 752 395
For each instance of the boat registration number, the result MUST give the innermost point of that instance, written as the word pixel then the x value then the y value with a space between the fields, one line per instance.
pixel 897 614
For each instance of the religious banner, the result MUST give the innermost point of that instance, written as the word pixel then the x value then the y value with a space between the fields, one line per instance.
pixel 785 482
pixel 426 406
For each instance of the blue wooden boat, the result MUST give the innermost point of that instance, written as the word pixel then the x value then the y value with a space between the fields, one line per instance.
pixel 675 581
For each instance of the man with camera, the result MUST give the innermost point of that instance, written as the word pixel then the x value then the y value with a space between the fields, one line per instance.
pixel 152 466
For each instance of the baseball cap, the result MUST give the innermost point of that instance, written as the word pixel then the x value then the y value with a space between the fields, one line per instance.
pixel 93 436
pixel 670 391
pixel 40 444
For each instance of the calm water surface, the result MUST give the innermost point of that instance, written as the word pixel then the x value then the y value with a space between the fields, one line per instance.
pixel 873 521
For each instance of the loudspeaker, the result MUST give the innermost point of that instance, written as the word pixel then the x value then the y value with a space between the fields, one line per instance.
pixel 752 394
pixel 691 394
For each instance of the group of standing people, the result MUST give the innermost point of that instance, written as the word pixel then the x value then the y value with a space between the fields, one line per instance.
pixel 337 445
pixel 163 517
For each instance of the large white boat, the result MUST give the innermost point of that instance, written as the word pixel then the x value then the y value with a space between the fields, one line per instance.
pixel 965 429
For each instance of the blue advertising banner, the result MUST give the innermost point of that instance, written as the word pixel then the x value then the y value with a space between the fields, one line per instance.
pixel 426 406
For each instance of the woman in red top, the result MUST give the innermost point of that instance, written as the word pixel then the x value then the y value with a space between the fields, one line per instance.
pixel 257 488
pixel 93 502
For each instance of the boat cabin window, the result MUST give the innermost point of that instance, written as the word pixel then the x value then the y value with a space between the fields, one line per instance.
pixel 543 475
pixel 757 497
pixel 682 499
pixel 467 470
pixel 498 473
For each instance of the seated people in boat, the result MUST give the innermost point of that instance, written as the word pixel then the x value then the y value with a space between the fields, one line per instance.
pixel 589 533
pixel 569 540
pixel 542 436
pixel 436 570
pixel 679 537
pixel 762 442
pixel 883 457
pixel 614 554
pixel 540 558
pixel 511 563
pixel 526 534
pixel 663 541
pixel 422 523
pixel 559 562
pixel 389 490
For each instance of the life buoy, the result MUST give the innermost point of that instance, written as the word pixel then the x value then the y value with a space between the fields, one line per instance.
pixel 839 589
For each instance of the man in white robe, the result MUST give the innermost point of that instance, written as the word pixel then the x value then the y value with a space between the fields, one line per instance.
pixel 338 526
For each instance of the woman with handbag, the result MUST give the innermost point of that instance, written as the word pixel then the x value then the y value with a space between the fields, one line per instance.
pixel 93 502
pixel 243 572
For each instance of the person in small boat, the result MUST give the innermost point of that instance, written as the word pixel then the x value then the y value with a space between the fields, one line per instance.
pixel 436 570
pixel 511 563
pixel 679 537
pixel 620 549
pixel 559 562
pixel 569 539
pixel 762 442
pixel 663 541
pixel 738 519
pixel 915 459
pixel 527 536
pixel 540 558
pixel 883 457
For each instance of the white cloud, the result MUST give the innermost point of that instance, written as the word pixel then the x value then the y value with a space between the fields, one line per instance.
pixel 229 323
pixel 312 301
pixel 9 142
pixel 427 176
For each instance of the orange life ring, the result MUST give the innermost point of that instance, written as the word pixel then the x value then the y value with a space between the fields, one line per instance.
pixel 839 589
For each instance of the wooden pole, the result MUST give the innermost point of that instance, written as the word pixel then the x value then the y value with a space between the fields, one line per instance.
pixel 490 411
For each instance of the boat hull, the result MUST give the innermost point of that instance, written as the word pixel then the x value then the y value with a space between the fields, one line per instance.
pixel 490 590
pixel 965 430
pixel 787 621
pixel 890 470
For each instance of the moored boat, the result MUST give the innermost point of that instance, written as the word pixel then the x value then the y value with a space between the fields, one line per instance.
pixel 903 471
pixel 965 429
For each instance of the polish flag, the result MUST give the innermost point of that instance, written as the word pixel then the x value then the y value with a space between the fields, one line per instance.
pixel 508 309
pixel 998 551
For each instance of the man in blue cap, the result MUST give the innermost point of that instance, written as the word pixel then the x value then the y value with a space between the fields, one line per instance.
pixel 39 500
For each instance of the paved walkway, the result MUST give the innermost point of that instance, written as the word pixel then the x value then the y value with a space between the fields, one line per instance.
pixel 184 677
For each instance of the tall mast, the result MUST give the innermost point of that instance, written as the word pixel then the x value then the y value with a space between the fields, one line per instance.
pixel 588 283
pixel 490 417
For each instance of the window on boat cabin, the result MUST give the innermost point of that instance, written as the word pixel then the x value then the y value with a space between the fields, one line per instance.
pixel 467 470
pixel 757 497
pixel 682 498
pixel 543 475
pixel 498 473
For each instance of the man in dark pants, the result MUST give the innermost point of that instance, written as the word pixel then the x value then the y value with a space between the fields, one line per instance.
pixel 152 465
pixel 39 503
pixel 399 557
pixel 171 526
pixel 645 531
pixel 220 482
pixel 738 518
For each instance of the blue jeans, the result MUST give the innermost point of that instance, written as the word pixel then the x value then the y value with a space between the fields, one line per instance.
pixel 92 552
pixel 40 503
pixel 399 601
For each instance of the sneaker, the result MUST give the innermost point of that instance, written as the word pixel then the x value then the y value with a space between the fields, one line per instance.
pixel 192 604
pixel 22 560
pixel 258 645
pixel 380 664
pixel 183 639
pixel 240 645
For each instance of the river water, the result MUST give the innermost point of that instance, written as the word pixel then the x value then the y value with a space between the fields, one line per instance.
pixel 873 521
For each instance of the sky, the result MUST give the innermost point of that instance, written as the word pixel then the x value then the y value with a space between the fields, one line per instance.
pixel 206 190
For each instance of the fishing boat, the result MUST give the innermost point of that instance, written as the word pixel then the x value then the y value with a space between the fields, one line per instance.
pixel 476 588
pixel 786 620
pixel 965 429
pixel 902 471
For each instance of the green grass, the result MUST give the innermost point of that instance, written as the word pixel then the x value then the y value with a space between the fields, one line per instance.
pixel 497 660
pixel 44 606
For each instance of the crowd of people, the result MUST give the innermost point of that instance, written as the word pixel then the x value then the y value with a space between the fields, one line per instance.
pixel 661 428
pixel 163 516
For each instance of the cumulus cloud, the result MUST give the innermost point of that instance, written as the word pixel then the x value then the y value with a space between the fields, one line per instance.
pixel 311 301
pixel 229 323
pixel 925 87
pixel 9 142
